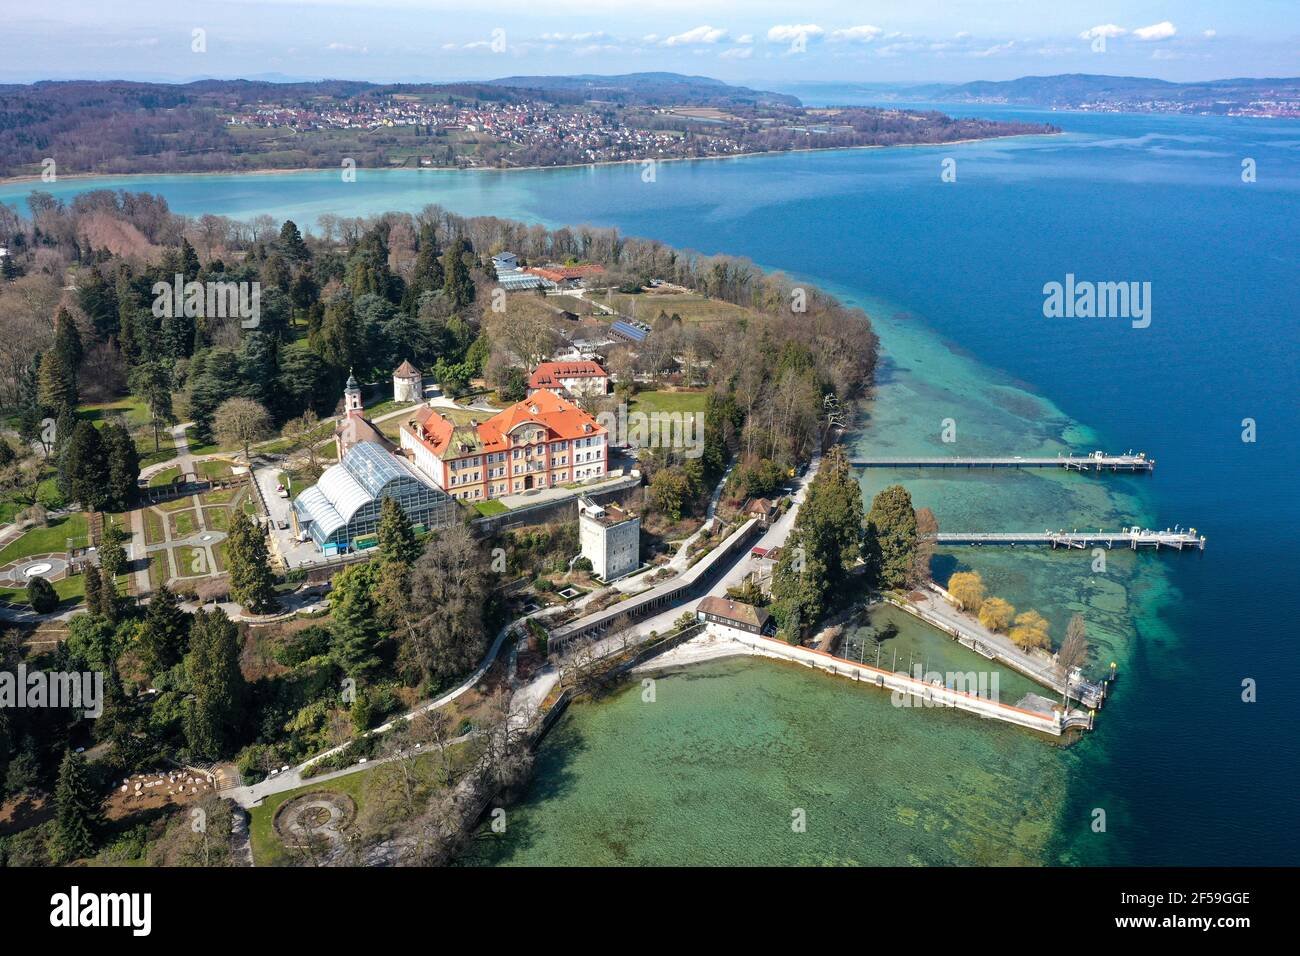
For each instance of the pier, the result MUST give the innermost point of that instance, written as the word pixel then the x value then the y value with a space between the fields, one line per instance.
pixel 911 692
pixel 970 633
pixel 1132 538
pixel 1097 461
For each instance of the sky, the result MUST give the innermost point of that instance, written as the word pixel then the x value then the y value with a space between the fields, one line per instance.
pixel 756 42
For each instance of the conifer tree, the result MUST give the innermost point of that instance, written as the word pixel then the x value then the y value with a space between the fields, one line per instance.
pixel 397 541
pixel 251 582
pixel 212 667
pixel 165 632
pixel 77 816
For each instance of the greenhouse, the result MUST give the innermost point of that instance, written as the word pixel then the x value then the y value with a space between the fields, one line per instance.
pixel 341 511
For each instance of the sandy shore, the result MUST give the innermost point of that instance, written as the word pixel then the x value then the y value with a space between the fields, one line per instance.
pixel 705 647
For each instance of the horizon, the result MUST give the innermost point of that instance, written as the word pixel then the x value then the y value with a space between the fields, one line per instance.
pixel 755 84
pixel 446 41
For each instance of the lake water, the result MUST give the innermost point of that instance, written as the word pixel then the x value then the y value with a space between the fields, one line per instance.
pixel 952 275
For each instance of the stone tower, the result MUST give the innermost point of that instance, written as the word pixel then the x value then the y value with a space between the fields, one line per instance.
pixel 408 383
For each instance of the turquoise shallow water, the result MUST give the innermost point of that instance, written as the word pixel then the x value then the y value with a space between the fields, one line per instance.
pixel 715 768
pixel 952 276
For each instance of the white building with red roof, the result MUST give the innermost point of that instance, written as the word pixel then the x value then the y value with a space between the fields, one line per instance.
pixel 569 379
pixel 542 442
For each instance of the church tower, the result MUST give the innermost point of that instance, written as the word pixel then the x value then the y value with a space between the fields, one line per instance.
pixel 352 398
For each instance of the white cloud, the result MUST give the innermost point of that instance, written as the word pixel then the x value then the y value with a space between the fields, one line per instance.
pixel 861 34
pixel 574 37
pixel 1107 30
pixel 346 48
pixel 1157 31
pixel 705 34
pixel 994 50
pixel 790 32
pixel 1210 34
pixel 745 38
pixel 737 53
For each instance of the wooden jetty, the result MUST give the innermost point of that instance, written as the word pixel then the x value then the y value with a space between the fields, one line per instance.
pixel 1097 461
pixel 1133 538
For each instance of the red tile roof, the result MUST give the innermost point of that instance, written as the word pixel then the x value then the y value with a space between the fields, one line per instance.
pixel 563 273
pixel 559 420
pixel 549 374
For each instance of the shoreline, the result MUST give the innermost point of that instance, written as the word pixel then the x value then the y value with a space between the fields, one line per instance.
pixel 35 179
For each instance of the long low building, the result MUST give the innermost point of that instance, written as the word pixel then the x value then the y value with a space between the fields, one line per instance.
pixel 661 596
pixel 341 511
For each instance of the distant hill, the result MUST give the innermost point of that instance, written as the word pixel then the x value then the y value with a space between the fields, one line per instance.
pixel 1072 90
pixel 659 88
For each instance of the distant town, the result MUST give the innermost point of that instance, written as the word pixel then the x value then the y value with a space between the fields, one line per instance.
pixel 215 125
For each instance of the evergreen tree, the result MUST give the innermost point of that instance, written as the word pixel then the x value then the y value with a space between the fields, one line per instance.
pixel 251 581
pixel 340 340
pixel 94 589
pixel 77 816
pixel 291 242
pixel 128 335
pixel 825 543
pixel 41 595
pixel 890 544
pixel 212 666
pixel 397 541
pixel 354 619
pixel 123 467
pixel 56 384
pixel 189 263
pixel 85 465
pixel 67 342
pixel 458 284
pixel 165 632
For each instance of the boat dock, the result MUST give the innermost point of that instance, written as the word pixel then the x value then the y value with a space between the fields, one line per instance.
pixel 1132 538
pixel 1097 461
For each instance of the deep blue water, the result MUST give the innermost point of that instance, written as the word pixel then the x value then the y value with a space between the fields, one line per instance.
pixel 1203 777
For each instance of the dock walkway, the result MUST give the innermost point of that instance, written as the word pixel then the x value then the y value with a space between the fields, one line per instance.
pixel 1132 538
pixel 1097 461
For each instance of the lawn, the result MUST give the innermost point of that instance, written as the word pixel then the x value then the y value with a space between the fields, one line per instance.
pixel 490 507
pixel 646 306
pixel 47 493
pixel 267 848
pixel 668 402
pixel 183 524
pixel 43 540
pixel 134 411
pixel 464 416
pixel 153 527
pixel 70 591
pixel 214 469
pixel 165 477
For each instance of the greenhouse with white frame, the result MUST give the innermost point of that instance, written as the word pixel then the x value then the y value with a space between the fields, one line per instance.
pixel 341 511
